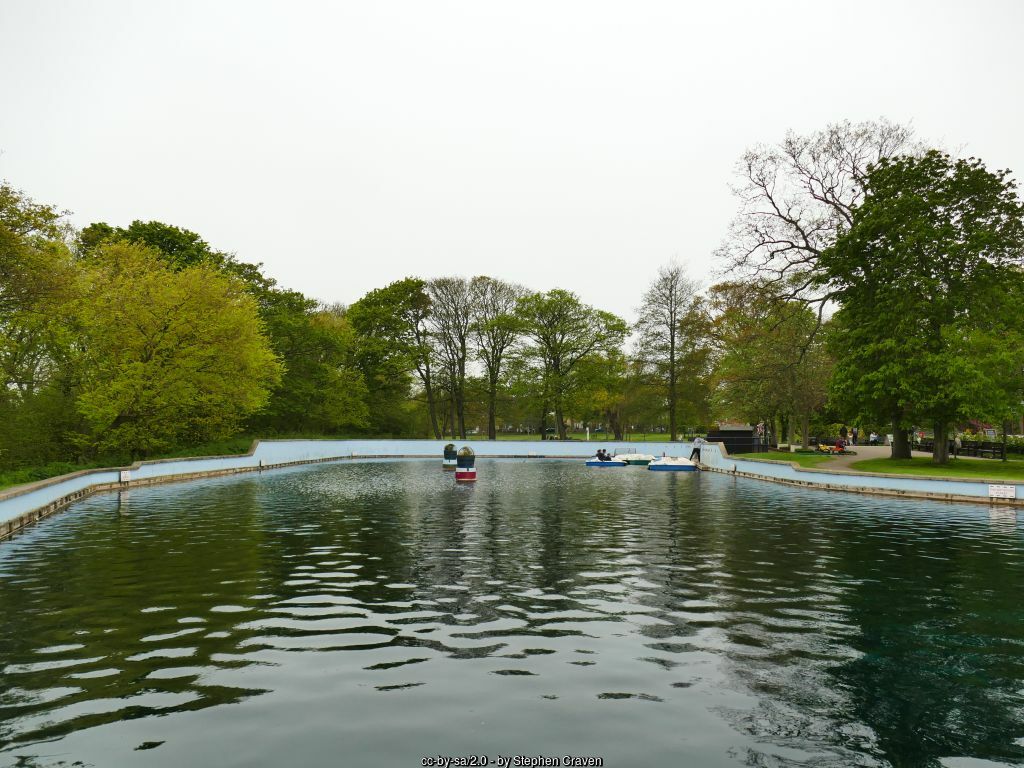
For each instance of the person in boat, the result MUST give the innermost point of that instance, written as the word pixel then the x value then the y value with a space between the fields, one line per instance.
pixel 602 455
pixel 697 443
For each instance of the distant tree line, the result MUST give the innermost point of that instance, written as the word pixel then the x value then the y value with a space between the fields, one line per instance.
pixel 868 279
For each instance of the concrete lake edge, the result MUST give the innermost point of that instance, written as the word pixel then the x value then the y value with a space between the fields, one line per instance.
pixel 23 505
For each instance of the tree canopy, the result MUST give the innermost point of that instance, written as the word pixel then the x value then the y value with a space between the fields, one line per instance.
pixel 928 277
pixel 166 356
pixel 133 340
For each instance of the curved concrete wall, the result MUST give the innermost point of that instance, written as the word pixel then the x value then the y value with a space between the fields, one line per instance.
pixel 901 485
pixel 48 495
pixel 24 504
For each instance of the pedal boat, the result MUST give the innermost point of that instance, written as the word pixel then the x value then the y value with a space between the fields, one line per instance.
pixel 672 464
pixel 596 462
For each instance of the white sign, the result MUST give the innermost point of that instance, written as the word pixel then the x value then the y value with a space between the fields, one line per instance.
pixel 1002 491
pixel 126 475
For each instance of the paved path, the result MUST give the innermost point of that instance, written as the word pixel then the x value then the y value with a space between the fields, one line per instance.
pixel 863 452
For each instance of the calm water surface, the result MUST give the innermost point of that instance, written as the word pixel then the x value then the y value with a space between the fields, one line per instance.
pixel 373 613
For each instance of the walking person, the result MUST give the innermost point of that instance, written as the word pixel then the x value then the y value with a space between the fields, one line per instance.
pixel 697 443
pixel 853 436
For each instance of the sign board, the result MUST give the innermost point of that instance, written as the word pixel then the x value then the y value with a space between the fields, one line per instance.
pixel 990 434
pixel 126 475
pixel 1002 491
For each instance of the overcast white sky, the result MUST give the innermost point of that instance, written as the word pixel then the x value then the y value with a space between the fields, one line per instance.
pixel 558 144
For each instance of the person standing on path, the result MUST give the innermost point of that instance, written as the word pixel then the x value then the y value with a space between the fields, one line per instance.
pixel 697 443
pixel 853 435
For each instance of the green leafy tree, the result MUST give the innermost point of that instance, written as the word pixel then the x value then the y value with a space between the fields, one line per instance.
pixel 181 248
pixel 322 391
pixel 615 391
pixel 25 218
pixel 769 363
pixel 387 322
pixel 928 278
pixel 495 326
pixel 564 331
pixel 168 358
pixel 38 283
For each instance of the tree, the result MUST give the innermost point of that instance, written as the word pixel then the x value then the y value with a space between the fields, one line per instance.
pixel 495 326
pixel 168 358
pixel 315 352
pixel 387 322
pixel 768 363
pixel 796 196
pixel 450 317
pixel 661 330
pixel 928 278
pixel 564 331
pixel 615 391
pixel 181 248
pixel 322 391
pixel 37 285
pixel 25 218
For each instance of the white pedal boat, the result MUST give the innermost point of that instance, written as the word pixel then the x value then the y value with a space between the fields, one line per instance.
pixel 636 459
pixel 672 464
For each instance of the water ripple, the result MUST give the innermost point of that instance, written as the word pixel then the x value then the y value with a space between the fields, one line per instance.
pixel 377 608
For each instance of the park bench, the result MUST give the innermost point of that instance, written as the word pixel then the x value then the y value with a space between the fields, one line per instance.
pixel 991 450
pixel 981 449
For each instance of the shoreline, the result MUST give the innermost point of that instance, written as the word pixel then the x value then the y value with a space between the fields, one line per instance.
pixel 23 505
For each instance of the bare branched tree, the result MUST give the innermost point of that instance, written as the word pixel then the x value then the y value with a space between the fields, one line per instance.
pixel 795 197
pixel 451 303
pixel 659 344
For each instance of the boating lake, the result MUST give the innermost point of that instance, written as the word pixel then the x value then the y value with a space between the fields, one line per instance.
pixel 374 613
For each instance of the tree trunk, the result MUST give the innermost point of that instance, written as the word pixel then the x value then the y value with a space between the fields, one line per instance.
pixel 492 422
pixel 615 423
pixel 432 407
pixel 543 421
pixel 900 442
pixel 671 399
pixel 805 428
pixel 940 453
pixel 560 422
pixel 460 407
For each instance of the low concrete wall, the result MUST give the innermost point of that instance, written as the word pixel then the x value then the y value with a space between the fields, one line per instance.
pixel 717 458
pixel 23 505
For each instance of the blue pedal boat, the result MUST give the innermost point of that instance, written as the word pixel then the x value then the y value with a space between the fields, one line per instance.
pixel 596 462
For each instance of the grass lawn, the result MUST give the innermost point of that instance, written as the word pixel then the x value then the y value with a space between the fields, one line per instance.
pixel 980 469
pixel 803 459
